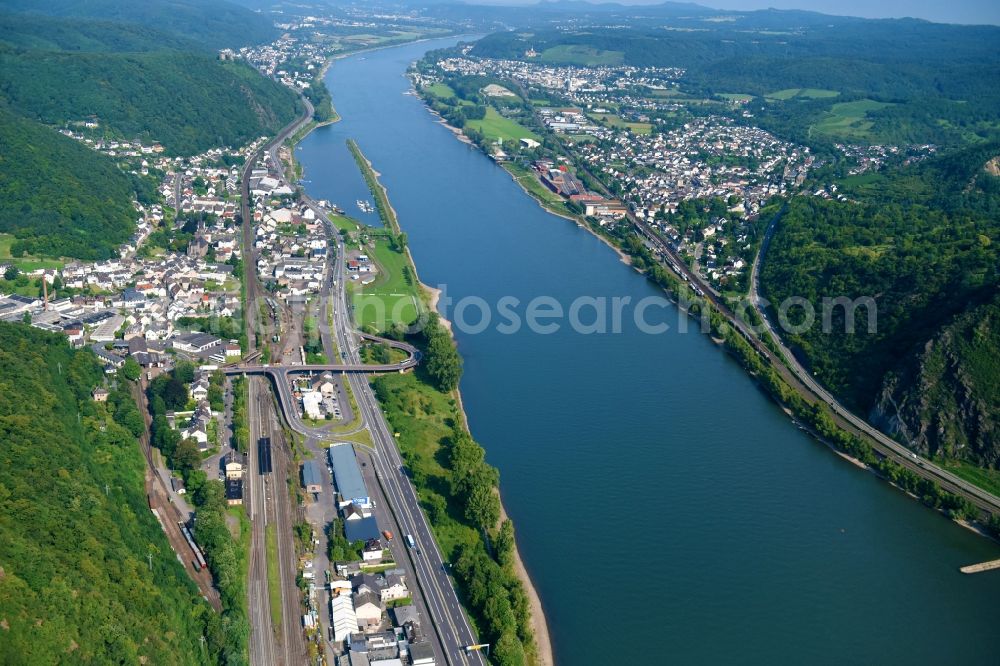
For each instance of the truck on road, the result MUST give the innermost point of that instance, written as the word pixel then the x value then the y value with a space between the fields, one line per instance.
pixel 409 541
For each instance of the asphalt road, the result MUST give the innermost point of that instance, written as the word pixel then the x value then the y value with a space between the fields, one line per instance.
pixel 401 508
pixel 427 562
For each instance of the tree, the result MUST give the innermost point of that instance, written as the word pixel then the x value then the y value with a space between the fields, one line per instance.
pixel 131 370
pixel 482 505
pixel 184 372
pixel 11 273
pixel 444 365
pixel 132 420
pixel 435 506
pixel 504 543
pixel 186 456
pixel 508 650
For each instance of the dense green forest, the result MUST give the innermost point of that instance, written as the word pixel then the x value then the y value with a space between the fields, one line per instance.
pixel 214 23
pixel 77 583
pixel 188 102
pixel 924 242
pixel 58 197
pixel 47 33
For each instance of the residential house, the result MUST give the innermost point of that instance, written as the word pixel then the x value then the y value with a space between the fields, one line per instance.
pixel 368 610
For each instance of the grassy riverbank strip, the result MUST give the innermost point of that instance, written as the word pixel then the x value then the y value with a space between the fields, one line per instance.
pixel 458 490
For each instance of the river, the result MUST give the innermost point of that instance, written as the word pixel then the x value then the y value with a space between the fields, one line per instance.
pixel 667 510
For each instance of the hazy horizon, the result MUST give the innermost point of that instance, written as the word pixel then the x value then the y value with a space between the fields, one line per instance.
pixel 958 11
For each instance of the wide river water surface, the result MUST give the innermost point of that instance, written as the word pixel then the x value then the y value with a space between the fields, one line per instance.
pixel 667 510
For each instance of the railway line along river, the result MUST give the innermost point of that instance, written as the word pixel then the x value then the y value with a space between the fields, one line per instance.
pixel 667 510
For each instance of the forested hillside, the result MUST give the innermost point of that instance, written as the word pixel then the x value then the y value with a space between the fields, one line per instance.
pixel 945 400
pixel 32 31
pixel 58 197
pixel 214 23
pixel 76 533
pixel 924 242
pixel 189 102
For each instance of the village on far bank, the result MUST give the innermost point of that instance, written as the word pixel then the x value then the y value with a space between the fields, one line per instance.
pixel 618 145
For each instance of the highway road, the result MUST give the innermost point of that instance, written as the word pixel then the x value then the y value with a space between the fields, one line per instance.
pixel 793 372
pixel 426 560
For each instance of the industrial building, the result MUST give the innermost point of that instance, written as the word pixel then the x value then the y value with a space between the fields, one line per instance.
pixel 347 477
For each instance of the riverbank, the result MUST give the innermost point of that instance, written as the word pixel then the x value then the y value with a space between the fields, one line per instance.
pixel 543 655
pixel 685 430
pixel 576 219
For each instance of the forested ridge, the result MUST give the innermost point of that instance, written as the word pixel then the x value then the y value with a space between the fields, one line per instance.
pixel 188 102
pixel 57 196
pixel 213 23
pixel 924 242
pixel 76 581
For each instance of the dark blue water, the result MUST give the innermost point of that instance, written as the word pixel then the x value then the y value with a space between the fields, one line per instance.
pixel 666 509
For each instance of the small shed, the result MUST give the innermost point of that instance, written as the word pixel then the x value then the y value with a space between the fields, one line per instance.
pixel 311 479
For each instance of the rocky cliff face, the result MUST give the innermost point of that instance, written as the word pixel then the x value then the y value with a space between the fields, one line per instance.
pixel 945 400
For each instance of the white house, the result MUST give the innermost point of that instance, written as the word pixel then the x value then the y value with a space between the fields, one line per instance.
pixel 311 402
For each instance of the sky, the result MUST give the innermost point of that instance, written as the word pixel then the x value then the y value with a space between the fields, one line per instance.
pixel 942 11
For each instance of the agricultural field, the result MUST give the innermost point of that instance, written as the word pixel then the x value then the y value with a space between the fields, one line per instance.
pixel 494 126
pixel 735 97
pixel 442 90
pixel 849 120
pixel 611 120
pixel 802 93
pixel 586 56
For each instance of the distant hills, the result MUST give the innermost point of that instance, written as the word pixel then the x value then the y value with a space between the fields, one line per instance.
pixel 145 70
pixel 938 83
pixel 213 23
